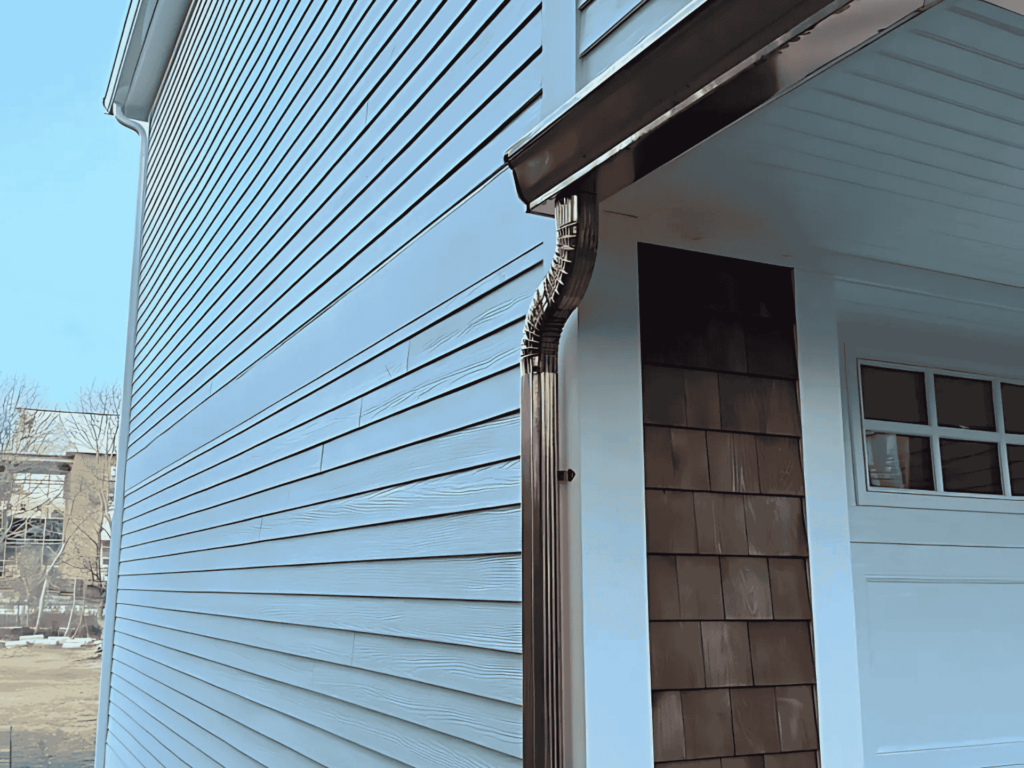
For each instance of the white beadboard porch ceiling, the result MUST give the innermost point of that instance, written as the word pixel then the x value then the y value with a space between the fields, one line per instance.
pixel 909 150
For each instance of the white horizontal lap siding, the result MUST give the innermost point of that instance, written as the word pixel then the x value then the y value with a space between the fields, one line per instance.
pixel 320 557
pixel 609 29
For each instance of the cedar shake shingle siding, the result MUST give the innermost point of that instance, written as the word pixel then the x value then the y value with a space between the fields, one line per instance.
pixel 732 666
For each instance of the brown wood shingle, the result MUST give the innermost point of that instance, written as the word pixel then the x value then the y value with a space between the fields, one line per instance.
pixel 797 725
pixel 721 526
pixel 746 589
pixel 775 526
pixel 754 404
pixel 671 527
pixel 790 597
pixel 675 458
pixel 732 462
pixel 747 761
pixel 778 465
pixel 771 350
pixel 726 654
pixel 755 723
pixel 680 397
pixel 662 588
pixel 707 723
pixel 676 655
pixel 791 760
pixel 780 653
pixel 668 726
pixel 700 588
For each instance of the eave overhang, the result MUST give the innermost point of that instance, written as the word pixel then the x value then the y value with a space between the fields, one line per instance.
pixel 147 41
pixel 683 84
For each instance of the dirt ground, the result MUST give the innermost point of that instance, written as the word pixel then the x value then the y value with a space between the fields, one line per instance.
pixel 49 695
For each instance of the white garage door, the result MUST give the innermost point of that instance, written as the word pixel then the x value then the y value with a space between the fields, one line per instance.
pixel 936 443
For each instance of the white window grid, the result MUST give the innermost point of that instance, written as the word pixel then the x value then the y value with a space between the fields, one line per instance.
pixel 934 432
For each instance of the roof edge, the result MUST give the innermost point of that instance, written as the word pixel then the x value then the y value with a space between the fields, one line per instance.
pixel 148 38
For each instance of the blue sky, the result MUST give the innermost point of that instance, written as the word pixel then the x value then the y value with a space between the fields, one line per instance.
pixel 68 176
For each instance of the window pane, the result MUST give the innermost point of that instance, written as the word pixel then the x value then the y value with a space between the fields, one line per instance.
pixel 1013 409
pixel 900 461
pixel 891 395
pixel 970 467
pixel 1015 455
pixel 964 403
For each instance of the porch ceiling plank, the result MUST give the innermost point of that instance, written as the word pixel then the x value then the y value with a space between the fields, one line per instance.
pixel 908 150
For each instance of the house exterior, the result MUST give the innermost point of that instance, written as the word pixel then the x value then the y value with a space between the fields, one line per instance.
pixel 721 467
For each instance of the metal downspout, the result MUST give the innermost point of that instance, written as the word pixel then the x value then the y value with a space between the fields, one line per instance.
pixel 110 607
pixel 544 704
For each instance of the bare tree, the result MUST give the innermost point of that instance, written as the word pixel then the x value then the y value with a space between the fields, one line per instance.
pixel 90 426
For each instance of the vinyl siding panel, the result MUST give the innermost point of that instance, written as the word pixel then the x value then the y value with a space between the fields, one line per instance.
pixel 320 553
pixel 609 29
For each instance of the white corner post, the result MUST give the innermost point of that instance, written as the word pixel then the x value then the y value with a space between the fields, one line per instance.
pixel 110 606
pixel 558 56
pixel 604 446
pixel 828 524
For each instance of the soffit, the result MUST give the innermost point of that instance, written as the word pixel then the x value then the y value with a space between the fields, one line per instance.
pixel 910 150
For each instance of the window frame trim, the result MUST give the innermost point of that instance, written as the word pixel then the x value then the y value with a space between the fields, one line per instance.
pixel 867 495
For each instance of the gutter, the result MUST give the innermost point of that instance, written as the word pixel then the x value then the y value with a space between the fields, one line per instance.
pixel 719 63
pixel 110 605
pixel 545 716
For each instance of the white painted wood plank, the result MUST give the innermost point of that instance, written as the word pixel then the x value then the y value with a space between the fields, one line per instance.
pixel 828 527
pixel 491 355
pixel 837 105
pixel 132 733
pixel 119 755
pixel 889 525
pixel 463 534
pixel 183 749
pixel 489 487
pixel 285 740
pixel 335 77
pixel 965 23
pixel 519 91
pixel 884 139
pixel 210 732
pixel 473 313
pixel 352 101
pixel 482 672
pixel 470 313
pixel 607 39
pixel 231 85
pixel 492 724
pixel 192 197
pixel 490 443
pixel 126 738
pixel 361 210
pixel 286 470
pixel 372 732
pixel 490 578
pixel 479 624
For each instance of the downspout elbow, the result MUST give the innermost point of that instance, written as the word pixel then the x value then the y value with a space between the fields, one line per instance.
pixel 544 705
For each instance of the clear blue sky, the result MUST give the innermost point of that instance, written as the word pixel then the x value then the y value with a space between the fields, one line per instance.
pixel 68 176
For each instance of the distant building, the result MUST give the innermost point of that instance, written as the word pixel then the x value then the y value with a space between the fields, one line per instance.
pixel 54 507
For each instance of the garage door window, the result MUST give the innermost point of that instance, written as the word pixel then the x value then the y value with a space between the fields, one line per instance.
pixel 941 432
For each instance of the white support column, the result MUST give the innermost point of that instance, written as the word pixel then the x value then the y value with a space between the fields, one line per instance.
pixel 604 444
pixel 828 523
